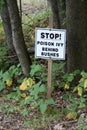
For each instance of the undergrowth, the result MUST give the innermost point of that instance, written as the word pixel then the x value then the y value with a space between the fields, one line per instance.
pixel 32 91
pixel 31 21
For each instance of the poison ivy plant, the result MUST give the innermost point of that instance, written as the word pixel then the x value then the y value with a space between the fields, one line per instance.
pixel 36 92
pixel 6 78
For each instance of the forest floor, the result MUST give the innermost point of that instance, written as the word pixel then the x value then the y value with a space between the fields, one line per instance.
pixel 53 120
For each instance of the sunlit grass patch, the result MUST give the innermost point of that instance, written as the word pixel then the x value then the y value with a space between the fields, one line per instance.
pixel 35 2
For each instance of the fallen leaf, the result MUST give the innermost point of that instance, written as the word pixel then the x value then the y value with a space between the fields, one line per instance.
pixel 23 86
pixel 71 115
pixel 85 84
pixel 9 82
pixel 66 86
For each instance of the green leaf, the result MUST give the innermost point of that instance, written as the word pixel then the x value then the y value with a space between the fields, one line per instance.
pixel 24 112
pixel 80 91
pixel 82 102
pixel 68 77
pixel 83 127
pixel 84 74
pixel 6 76
pixel 82 99
pixel 27 123
pixel 42 88
pixel 61 66
pixel 50 101
pixel 61 84
pixel 35 90
pixel 75 89
pixel 81 83
pixel 82 105
pixel 55 67
pixel 77 72
pixel 13 95
pixel 43 107
pixel 2 85
pixel 35 69
pixel 1 74
pixel 11 109
pixel 85 84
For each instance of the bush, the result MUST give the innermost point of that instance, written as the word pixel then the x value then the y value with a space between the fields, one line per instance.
pixel 33 21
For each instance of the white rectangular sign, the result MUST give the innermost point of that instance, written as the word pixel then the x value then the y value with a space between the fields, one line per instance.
pixel 50 43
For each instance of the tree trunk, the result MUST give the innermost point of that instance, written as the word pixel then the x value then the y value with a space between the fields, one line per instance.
pixel 76 34
pixel 55 10
pixel 7 25
pixel 62 12
pixel 18 38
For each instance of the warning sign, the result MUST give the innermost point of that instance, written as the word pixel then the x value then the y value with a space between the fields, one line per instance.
pixel 50 43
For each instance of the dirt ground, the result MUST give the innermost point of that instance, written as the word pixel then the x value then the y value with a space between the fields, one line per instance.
pixel 15 121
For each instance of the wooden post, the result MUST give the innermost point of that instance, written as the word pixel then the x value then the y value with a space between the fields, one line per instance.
pixel 49 78
pixel 51 21
pixel 49 81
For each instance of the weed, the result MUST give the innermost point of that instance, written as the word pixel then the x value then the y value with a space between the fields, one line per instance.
pixel 3 52
pixel 6 78
pixel 31 92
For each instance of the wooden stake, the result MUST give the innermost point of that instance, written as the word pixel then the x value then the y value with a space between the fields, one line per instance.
pixel 49 81
pixel 49 78
pixel 51 21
